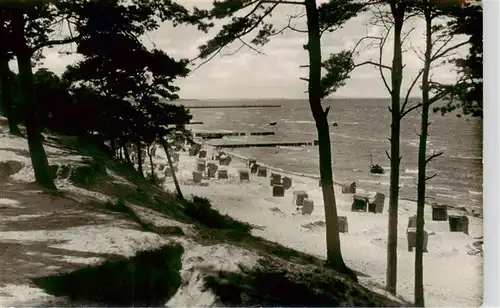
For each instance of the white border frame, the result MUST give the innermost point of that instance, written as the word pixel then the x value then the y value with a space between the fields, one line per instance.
pixel 491 154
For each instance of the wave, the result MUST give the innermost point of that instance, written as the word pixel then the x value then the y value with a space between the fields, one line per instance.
pixel 350 123
pixel 380 175
pixel 414 143
pixel 449 196
pixel 374 182
pixel 357 138
pixel 294 149
pixel 467 157
pixel 430 187
pixel 298 122
pixel 411 171
pixel 472 192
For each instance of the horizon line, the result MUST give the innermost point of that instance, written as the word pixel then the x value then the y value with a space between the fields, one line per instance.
pixel 281 98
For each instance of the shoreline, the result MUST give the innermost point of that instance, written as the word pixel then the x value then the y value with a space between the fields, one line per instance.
pixel 245 159
pixel 276 219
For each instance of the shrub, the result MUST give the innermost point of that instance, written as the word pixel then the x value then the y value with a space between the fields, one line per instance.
pixel 148 279
pixel 201 211
pixel 89 174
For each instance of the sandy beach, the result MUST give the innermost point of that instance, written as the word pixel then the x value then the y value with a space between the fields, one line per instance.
pixel 35 242
pixel 452 268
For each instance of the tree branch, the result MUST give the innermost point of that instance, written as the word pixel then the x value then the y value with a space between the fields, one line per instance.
pixel 382 40
pixel 403 113
pixel 408 93
pixel 56 42
pixel 327 110
pixel 381 54
pixel 427 178
pixel 250 46
pixel 283 2
pixel 443 53
pixel 434 155
pixel 387 153
pixel 289 26
pixel 250 29
pixel 437 97
pixel 374 64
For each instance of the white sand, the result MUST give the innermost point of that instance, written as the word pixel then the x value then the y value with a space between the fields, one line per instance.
pixel 115 236
pixel 452 277
pixel 198 261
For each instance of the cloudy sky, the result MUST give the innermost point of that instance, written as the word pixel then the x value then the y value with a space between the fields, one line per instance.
pixel 276 72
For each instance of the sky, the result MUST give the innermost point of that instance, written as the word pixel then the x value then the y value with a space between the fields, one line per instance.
pixel 275 72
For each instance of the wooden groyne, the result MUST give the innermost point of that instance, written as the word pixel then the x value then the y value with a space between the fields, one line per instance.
pixel 220 135
pixel 232 106
pixel 264 144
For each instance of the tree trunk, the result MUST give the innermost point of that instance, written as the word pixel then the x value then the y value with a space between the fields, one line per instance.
pixel 112 145
pixel 6 81
pixel 30 105
pixel 139 159
pixel 151 163
pixel 171 166
pixel 398 12
pixel 334 254
pixel 422 164
pixel 7 99
pixel 126 154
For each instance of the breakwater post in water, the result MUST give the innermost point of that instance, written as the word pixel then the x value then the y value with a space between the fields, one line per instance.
pixel 265 144
pixel 220 135
pixel 232 106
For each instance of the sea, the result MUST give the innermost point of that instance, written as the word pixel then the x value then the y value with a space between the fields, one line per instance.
pixel 360 136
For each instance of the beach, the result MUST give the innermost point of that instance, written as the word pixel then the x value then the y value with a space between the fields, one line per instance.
pixel 361 135
pixel 43 235
pixel 452 266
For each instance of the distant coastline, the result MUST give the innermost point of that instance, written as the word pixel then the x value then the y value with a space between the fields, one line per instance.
pixel 240 99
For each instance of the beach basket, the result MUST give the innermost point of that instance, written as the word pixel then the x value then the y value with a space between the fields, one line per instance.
pixel 412 222
pixel 244 175
pixel 299 196
pixel 212 166
pixel 168 171
pixel 225 161
pixel 349 188
pixel 439 212
pixel 197 177
pixel 254 168
pixel 307 206
pixel 287 182
pixel 250 162
pixel 343 224
pixel 200 166
pixel 175 157
pixel 202 154
pixel 459 223
pixel 193 151
pixel 359 204
pixel 262 172
pixel 161 167
pixel 278 191
pixel 222 174
pixel 211 173
pixel 377 206
pixel 411 237
pixel 275 179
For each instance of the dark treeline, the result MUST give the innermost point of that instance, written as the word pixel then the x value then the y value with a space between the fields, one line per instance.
pixel 118 95
pixel 115 95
